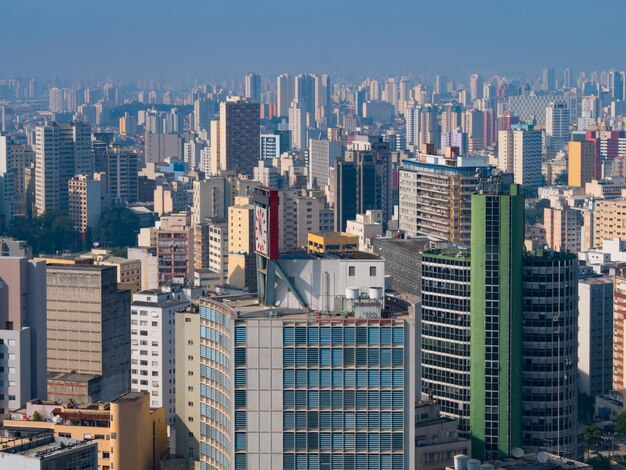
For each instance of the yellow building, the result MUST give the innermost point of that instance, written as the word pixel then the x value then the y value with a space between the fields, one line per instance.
pixel 129 434
pixel 331 242
pixel 241 262
pixel 128 270
pixel 580 163
pixel 609 220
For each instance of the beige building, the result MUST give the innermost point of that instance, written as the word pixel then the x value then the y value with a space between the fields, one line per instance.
pixel 562 225
pixel 128 270
pixel 88 325
pixel 241 257
pixel 437 439
pixel 174 242
pixel 606 189
pixel 188 384
pixel 609 220
pixel 129 434
pixel 84 199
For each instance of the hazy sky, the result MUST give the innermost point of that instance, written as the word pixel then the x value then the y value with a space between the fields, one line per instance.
pixel 226 38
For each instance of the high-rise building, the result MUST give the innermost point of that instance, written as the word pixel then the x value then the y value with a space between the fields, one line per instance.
pixel 476 87
pixel 89 326
pixel 153 346
pixel 616 84
pixel 563 228
pixel 520 150
pixel 241 258
pixel 322 156
pixel 557 127
pixel 270 146
pixel 445 332
pixel 474 127
pixel 580 163
pixel 595 334
pixel 84 202
pixel 429 130
pixel 435 194
pixel 239 132
pixel 549 354
pixel 496 320
pixel 174 242
pixel 304 93
pixel 297 125
pixel 204 110
pixel 412 120
pixel 323 109
pixel 284 94
pixel 7 182
pixel 567 78
pixel 252 87
pixel 22 331
pixel 548 82
pixel 304 392
pixel 22 157
pixel 62 150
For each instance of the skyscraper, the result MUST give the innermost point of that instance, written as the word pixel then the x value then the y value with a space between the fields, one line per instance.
pixel 239 133
pixel 445 332
pixel 476 87
pixel 285 94
pixel 7 182
pixel 496 319
pixel 62 150
pixel 322 156
pixel 557 127
pixel 548 82
pixel 252 85
pixel 519 152
pixel 580 163
pixel 304 92
pixel 297 125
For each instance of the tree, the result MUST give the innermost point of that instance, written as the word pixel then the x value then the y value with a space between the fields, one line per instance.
pixel 620 424
pixel 37 416
pixel 600 462
pixel 117 228
pixel 535 214
pixel 591 436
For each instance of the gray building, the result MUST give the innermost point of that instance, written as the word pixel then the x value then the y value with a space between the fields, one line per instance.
pixel 89 325
pixel 595 335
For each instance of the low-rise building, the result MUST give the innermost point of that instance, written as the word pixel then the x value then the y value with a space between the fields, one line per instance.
pixel 366 226
pixel 331 242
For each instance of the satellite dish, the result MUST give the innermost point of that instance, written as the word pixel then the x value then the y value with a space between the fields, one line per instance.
pixel 518 453
pixel 543 457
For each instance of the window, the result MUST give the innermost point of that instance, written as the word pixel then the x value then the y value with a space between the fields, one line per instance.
pixel 372 270
pixel 106 455
pixel 351 270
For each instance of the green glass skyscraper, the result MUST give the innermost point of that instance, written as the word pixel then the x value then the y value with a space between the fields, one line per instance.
pixel 497 240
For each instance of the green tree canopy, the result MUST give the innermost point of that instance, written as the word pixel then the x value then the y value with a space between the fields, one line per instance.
pixel 118 228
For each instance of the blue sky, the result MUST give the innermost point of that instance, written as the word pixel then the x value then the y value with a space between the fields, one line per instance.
pixel 226 38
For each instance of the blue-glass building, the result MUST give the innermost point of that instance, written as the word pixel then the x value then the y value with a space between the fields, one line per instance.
pixel 292 390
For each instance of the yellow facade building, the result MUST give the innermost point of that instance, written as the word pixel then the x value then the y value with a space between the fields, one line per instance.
pixel 331 242
pixel 129 434
pixel 580 163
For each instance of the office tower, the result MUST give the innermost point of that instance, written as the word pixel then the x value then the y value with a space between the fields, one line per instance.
pixel 174 242
pixel 322 156
pixel 84 202
pixel 549 376
pixel 22 331
pixel 211 254
pixel 445 332
pixel 270 146
pixel 127 125
pixel 193 153
pixel 619 326
pixel 435 194
pixel 391 92
pixel 519 150
pixel 153 346
pixel 616 85
pixel 557 127
pixel 239 132
pixel 595 335
pixel 7 182
pixel 62 150
pixel 548 81
pixel 476 87
pixel 497 240
pixel 252 87
pixel 304 93
pixel 297 125
pixel 284 94
pixel 89 326
pixel 567 78
pixel 360 182
pixel 348 402
pixel 475 130
pixel 241 239
pixel 563 228
pixel 580 163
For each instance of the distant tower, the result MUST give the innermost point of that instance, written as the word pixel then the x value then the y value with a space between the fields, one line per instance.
pixel 476 87
pixel 297 125
pixel 253 87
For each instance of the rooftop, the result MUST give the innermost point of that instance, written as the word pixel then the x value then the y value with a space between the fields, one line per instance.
pixel 350 254
pixel 71 377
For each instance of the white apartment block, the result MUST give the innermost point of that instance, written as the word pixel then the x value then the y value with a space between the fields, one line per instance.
pixel 153 346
